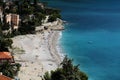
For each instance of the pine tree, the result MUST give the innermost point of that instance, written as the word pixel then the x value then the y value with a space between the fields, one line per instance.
pixel 67 72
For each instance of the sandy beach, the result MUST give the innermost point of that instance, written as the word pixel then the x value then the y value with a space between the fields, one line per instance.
pixel 37 53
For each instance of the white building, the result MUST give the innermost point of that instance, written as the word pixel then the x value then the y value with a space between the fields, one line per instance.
pixel 13 20
pixel 1 14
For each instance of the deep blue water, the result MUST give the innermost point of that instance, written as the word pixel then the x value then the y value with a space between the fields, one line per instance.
pixel 92 37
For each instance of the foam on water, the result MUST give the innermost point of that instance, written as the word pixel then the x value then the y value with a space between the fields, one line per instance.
pixel 59 46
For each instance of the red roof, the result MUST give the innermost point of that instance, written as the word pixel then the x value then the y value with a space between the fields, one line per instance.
pixel 5 55
pixel 2 77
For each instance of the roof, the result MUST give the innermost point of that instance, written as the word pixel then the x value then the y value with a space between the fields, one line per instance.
pixel 2 77
pixel 5 55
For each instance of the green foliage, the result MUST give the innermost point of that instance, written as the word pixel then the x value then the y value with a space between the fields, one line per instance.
pixel 0 28
pixel 26 28
pixel 50 11
pixel 67 72
pixel 27 8
pixel 38 18
pixel 5 26
pixel 9 69
pixel 1 3
pixel 47 76
pixel 5 43
pixel 35 2
pixel 14 33
pixel 14 10
pixel 53 17
pixel 57 74
pixel 7 35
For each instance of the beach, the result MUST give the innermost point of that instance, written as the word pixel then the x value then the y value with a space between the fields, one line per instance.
pixel 37 53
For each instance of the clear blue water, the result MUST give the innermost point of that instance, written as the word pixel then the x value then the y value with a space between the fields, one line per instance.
pixel 92 37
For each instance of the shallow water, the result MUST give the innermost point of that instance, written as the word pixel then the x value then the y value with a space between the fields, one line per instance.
pixel 92 37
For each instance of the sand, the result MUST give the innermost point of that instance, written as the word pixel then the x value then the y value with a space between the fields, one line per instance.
pixel 37 53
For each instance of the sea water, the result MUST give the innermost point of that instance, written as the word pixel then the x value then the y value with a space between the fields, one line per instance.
pixel 92 35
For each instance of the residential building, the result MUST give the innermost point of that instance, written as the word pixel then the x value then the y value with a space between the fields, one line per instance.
pixel 13 20
pixel 6 57
pixel 8 19
pixel 1 14
pixel 3 77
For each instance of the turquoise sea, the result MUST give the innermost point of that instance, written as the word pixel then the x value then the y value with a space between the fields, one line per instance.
pixel 92 35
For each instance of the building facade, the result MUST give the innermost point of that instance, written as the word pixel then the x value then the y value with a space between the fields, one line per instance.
pixel 1 14
pixel 6 57
pixel 3 77
pixel 13 20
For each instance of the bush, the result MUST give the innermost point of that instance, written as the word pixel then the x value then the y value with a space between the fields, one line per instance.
pixel 9 69
pixel 6 26
pixel 67 72
pixel 5 43
pixel 54 17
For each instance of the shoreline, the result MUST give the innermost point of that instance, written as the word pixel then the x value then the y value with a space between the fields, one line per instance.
pixel 53 47
pixel 40 52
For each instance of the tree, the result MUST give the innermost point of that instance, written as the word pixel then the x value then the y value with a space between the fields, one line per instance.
pixel 26 8
pixel 0 28
pixel 5 43
pixel 35 2
pixel 38 18
pixel 54 17
pixel 67 72
pixel 9 69
pixel 6 26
